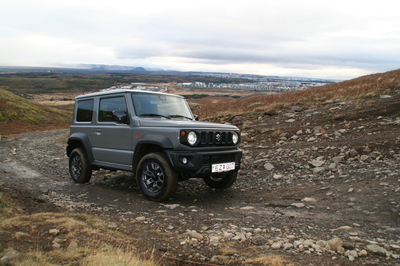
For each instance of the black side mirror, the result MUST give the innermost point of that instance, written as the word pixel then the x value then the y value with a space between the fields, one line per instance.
pixel 120 116
pixel 196 117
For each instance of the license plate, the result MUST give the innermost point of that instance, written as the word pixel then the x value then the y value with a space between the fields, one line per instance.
pixel 222 167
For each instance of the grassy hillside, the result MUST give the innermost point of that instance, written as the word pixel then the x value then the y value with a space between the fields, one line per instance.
pixel 19 115
pixel 355 89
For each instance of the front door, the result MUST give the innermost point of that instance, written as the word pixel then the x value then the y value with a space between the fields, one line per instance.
pixel 112 141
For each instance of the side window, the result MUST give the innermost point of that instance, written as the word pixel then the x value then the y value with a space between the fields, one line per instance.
pixel 107 105
pixel 85 111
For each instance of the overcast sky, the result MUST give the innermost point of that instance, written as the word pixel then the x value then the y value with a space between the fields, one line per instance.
pixel 339 39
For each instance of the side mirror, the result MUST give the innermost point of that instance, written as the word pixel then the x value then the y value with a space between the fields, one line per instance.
pixel 119 116
pixel 196 117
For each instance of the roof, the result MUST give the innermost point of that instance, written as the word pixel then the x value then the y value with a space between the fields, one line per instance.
pixel 111 92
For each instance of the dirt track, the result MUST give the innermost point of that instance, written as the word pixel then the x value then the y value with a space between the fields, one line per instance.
pixel 318 187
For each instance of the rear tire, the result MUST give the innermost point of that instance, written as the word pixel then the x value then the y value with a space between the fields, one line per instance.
pixel 221 181
pixel 155 177
pixel 79 168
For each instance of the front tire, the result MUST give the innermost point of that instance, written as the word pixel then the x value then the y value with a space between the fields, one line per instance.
pixel 155 178
pixel 221 181
pixel 79 168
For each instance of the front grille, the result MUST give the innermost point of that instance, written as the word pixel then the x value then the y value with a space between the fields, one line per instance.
pixel 223 158
pixel 211 138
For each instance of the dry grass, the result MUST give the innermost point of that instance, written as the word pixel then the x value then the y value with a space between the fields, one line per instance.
pixel 355 89
pixel 268 260
pixel 103 255
pixel 83 239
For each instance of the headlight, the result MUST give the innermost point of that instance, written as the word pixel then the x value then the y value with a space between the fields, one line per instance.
pixel 235 138
pixel 192 138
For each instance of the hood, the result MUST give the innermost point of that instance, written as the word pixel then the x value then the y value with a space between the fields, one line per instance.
pixel 162 122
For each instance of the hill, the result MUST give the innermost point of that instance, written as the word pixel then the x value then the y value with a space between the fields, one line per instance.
pixel 19 115
pixel 351 90
pixel 311 175
pixel 319 185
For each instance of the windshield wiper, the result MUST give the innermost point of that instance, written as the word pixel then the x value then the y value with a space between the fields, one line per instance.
pixel 152 115
pixel 180 116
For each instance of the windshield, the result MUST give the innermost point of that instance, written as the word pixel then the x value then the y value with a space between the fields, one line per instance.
pixel 163 105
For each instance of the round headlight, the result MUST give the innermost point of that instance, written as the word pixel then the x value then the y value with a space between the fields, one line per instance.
pixel 235 138
pixel 192 138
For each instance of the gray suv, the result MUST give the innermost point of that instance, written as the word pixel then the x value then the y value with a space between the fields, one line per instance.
pixel 155 136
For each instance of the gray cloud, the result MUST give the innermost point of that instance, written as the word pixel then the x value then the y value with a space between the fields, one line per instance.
pixel 315 37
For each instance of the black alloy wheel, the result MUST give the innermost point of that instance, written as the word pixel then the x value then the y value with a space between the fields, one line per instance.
pixel 79 168
pixel 155 178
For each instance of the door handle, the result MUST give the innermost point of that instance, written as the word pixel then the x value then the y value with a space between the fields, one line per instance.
pixel 98 132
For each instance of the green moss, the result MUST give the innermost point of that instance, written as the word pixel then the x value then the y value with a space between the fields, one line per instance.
pixel 17 109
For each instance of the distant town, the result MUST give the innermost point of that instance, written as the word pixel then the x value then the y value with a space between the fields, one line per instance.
pixel 261 83
pixel 256 83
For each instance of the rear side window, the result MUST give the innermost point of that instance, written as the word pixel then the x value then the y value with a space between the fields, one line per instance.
pixel 107 105
pixel 85 111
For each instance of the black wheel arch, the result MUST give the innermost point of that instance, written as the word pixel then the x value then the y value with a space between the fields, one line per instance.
pixel 144 148
pixel 159 140
pixel 80 140
pixel 151 143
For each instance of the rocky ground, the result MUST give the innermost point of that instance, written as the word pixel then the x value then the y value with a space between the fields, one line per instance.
pixel 319 186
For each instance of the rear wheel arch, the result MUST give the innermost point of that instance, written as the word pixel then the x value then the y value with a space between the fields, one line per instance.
pixel 81 140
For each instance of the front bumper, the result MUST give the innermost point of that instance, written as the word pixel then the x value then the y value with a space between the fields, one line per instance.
pixel 198 163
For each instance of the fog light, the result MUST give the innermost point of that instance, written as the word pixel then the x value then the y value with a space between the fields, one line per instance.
pixel 184 160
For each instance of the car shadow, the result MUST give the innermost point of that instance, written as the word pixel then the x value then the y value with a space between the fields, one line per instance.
pixel 193 191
